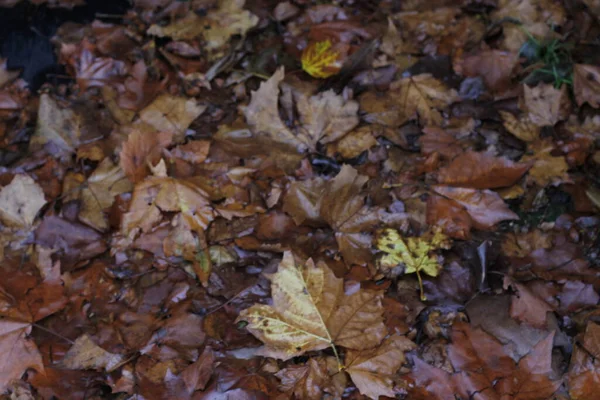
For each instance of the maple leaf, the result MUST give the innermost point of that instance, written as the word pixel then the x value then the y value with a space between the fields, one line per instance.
pixel 140 150
pixel 311 312
pixel 412 252
pixel 420 96
pixel 372 370
pixel 319 60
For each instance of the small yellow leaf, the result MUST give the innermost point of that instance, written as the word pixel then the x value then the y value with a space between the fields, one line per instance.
pixel 319 60
pixel 412 252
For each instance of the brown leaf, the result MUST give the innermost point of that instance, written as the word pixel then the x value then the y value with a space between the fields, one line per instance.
pixel 326 117
pixel 482 171
pixel 484 207
pixel 372 370
pixel 494 66
pixel 85 354
pixel 545 104
pixel 172 114
pixel 584 374
pixel 311 381
pixel 197 375
pixel 451 216
pixel 57 125
pixel 521 128
pixel 303 201
pixel 343 207
pixel 17 352
pixel 436 139
pixel 526 306
pixel 311 312
pixel 141 149
pixel 586 84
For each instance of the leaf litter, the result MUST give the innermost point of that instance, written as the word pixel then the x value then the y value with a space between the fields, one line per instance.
pixel 305 200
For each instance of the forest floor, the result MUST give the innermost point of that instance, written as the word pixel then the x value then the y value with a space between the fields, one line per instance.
pixel 302 200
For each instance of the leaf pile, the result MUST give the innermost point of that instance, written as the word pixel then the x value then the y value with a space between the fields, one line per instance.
pixel 228 199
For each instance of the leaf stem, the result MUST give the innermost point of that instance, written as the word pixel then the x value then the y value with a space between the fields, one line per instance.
pixel 423 297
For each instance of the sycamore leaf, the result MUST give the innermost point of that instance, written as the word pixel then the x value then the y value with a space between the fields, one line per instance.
pixel 311 312
pixel 412 252
pixel 319 60
pixel 421 96
pixel 326 117
pixel 372 370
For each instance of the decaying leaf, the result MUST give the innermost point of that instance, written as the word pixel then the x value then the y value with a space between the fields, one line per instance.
pixel 140 150
pixel 172 114
pixel 310 312
pixel 18 352
pixel 545 104
pixel 494 66
pixel 414 253
pixel 85 354
pixel 312 381
pixel 522 128
pixel 372 370
pixel 547 169
pixel 58 125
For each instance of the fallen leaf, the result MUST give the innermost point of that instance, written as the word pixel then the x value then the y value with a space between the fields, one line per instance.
pixel 140 150
pixel 545 104
pixel 57 125
pixel 494 66
pixel 586 84
pixel 372 370
pixel 18 352
pixel 197 375
pixel 482 171
pixel 547 169
pixel 20 202
pixel 172 114
pixel 302 201
pixel 311 381
pixel 484 207
pixel 356 142
pixel 438 140
pixel 85 354
pixel 526 306
pixel 421 96
pixel 584 375
pixel 326 117
pixel 320 60
pixel 522 128
pixel 311 312
pixel 414 253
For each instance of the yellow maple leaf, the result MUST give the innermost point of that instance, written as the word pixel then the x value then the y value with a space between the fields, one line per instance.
pixel 412 252
pixel 319 60
pixel 311 312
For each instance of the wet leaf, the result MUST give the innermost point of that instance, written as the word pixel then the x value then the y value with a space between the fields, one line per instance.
pixel 85 354
pixel 311 312
pixel 20 202
pixel 586 84
pixel 320 60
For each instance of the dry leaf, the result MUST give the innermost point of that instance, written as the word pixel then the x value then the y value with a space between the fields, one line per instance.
pixel 372 370
pixel 17 352
pixel 311 381
pixel 438 140
pixel 57 125
pixel 20 202
pixel 546 169
pixel 586 84
pixel 522 128
pixel 85 354
pixel 420 97
pixel 545 104
pixel 140 150
pixel 310 312
pixel 356 142
pixel 172 114
pixel 326 117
